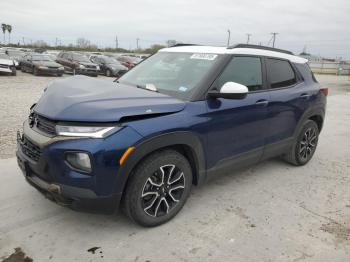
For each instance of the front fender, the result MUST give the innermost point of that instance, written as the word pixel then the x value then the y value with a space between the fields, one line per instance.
pixel 178 138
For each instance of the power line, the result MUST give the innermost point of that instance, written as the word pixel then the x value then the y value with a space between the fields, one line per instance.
pixel 274 38
pixel 248 38
pixel 229 36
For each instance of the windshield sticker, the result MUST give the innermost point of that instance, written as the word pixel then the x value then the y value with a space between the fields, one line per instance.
pixel 182 88
pixel 204 56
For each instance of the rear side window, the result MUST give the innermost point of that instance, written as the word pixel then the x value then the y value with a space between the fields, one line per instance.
pixel 281 73
pixel 244 70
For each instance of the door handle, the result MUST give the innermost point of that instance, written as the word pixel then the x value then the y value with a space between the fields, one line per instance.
pixel 305 96
pixel 262 102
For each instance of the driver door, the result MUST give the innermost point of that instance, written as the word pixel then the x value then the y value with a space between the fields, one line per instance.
pixel 237 127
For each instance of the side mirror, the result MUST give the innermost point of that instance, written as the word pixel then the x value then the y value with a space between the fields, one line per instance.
pixel 230 90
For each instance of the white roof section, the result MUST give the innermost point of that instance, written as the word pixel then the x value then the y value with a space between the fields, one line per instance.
pixel 238 51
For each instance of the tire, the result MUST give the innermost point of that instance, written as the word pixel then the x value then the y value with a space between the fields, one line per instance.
pixel 59 74
pixel 35 71
pixel 14 71
pixel 108 73
pixel 147 200
pixel 22 69
pixel 305 144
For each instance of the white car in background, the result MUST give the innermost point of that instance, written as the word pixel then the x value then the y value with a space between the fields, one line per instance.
pixel 7 64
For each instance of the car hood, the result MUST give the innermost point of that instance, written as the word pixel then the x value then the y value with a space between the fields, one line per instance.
pixel 47 63
pixel 83 99
pixel 6 61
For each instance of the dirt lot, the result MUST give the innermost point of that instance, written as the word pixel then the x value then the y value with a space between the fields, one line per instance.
pixel 269 212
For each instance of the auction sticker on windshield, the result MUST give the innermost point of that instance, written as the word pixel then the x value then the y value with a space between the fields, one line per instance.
pixel 204 56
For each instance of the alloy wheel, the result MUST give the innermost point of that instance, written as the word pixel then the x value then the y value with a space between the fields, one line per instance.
pixel 163 190
pixel 308 144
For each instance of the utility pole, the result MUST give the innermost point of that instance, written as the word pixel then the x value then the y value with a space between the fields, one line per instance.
pixel 229 36
pixel 248 38
pixel 116 42
pixel 23 41
pixel 274 38
pixel 56 41
pixel 137 43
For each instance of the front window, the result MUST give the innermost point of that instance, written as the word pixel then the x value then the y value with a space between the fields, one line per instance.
pixel 41 58
pixel 80 58
pixel 175 74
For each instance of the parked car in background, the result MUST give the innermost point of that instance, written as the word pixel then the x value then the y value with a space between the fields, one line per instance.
pixel 77 64
pixel 16 55
pixel 38 64
pixel 126 61
pixel 109 66
pixel 7 64
pixel 145 140
pixel 135 60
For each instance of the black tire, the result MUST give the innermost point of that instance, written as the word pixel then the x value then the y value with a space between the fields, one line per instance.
pixel 35 71
pixel 22 69
pixel 108 73
pixel 59 74
pixel 161 202
pixel 305 144
pixel 14 71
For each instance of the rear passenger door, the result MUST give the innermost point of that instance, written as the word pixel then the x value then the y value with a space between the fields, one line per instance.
pixel 236 129
pixel 289 98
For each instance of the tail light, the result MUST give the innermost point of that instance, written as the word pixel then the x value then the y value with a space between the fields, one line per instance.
pixel 324 90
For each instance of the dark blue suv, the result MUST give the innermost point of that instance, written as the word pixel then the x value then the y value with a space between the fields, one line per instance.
pixel 183 115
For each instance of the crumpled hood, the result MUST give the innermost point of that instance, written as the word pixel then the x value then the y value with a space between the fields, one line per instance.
pixel 84 99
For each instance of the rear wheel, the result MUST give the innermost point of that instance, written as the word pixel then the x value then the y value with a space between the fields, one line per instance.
pixel 158 188
pixel 108 73
pixel 305 145
pixel 35 71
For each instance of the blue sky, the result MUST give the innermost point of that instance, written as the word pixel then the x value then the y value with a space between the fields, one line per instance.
pixel 323 26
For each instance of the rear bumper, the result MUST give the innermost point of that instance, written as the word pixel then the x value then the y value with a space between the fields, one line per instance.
pixel 88 72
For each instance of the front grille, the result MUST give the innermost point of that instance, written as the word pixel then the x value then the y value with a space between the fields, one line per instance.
pixel 30 149
pixel 90 66
pixel 4 66
pixel 53 67
pixel 45 125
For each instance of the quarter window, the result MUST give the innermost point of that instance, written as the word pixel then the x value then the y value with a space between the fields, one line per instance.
pixel 281 73
pixel 243 70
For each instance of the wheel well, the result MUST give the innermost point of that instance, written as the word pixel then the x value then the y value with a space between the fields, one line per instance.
pixel 186 151
pixel 318 120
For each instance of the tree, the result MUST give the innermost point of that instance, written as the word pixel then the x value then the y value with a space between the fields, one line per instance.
pixel 40 43
pixel 153 49
pixel 171 43
pixel 4 28
pixel 83 43
pixel 9 29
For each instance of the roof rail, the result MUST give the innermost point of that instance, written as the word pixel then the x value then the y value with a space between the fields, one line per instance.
pixel 261 47
pixel 180 44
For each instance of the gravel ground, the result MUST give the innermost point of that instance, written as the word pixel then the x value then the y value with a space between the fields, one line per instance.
pixel 17 95
pixel 269 212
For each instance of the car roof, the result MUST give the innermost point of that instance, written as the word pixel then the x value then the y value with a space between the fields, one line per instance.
pixel 237 51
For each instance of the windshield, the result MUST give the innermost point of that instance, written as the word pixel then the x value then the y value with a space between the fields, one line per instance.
pixel 109 60
pixel 80 58
pixel 41 58
pixel 175 74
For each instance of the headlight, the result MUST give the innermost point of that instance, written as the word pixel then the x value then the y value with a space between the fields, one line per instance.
pixel 86 131
pixel 81 66
pixel 79 160
pixel 42 67
pixel 61 68
pixel 97 68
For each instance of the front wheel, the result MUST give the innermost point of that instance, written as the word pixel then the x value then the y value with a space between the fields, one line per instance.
pixel 158 188
pixel 305 144
pixel 14 71
pixel 108 73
